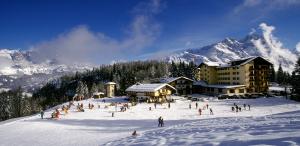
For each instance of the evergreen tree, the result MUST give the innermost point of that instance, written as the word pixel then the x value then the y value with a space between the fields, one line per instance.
pixel 174 70
pixel 280 75
pixel 79 89
pixel 85 90
pixel 4 107
pixel 272 75
pixel 295 81
pixel 94 89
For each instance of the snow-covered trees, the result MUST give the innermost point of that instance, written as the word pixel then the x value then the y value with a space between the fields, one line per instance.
pixel 94 89
pixel 15 104
pixel 82 89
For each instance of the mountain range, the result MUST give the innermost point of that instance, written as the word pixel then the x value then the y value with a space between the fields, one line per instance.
pixel 260 42
pixel 20 68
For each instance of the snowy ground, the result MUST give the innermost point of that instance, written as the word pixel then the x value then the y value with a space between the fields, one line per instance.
pixel 272 121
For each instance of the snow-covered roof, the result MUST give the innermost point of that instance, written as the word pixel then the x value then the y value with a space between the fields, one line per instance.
pixel 98 93
pixel 211 63
pixel 250 59
pixel 171 79
pixel 147 87
pixel 110 83
pixel 204 84
pixel 225 86
pixel 236 62
pixel 201 83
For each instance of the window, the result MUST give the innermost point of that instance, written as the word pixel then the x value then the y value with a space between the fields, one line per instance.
pixel 241 90
pixel 231 90
pixel 220 90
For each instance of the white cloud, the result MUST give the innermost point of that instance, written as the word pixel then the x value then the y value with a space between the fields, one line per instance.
pixel 298 47
pixel 80 44
pixel 265 6
pixel 272 48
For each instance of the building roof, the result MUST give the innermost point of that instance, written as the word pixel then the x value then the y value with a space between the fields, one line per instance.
pixel 209 64
pixel 171 79
pixel 200 83
pixel 110 83
pixel 225 86
pixel 204 84
pixel 247 60
pixel 147 87
pixel 98 93
pixel 237 62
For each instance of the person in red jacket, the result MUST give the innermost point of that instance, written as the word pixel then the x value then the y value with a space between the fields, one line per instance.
pixel 57 113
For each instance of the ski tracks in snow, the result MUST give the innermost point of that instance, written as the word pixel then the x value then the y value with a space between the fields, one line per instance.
pixel 280 129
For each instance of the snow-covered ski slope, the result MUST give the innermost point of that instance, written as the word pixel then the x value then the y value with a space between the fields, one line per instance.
pixel 271 121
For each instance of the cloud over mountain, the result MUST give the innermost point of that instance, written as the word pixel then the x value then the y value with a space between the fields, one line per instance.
pixel 260 42
pixel 80 44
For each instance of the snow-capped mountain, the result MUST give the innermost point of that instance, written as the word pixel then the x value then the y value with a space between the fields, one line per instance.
pixel 258 43
pixel 19 68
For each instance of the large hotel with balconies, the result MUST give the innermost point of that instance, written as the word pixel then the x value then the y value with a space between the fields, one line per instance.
pixel 242 76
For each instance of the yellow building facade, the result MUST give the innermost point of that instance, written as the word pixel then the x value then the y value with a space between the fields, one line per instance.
pixel 251 73
pixel 110 88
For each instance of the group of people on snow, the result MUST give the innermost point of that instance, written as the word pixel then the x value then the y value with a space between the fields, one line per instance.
pixel 236 108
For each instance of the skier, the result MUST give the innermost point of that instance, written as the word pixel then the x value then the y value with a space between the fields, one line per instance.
pixel 207 106
pixel 196 105
pixel 159 121
pixel 169 105
pixel 244 106
pixel 190 106
pixel 65 111
pixel 42 114
pixel 149 108
pixel 57 113
pixel 112 114
pixel 240 109
pixel 249 106
pixel 155 105
pixel 162 122
pixel 200 111
pixel 232 108
pixel 134 133
pixel 211 112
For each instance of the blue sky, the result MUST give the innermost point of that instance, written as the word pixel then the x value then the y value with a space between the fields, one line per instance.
pixel 139 26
